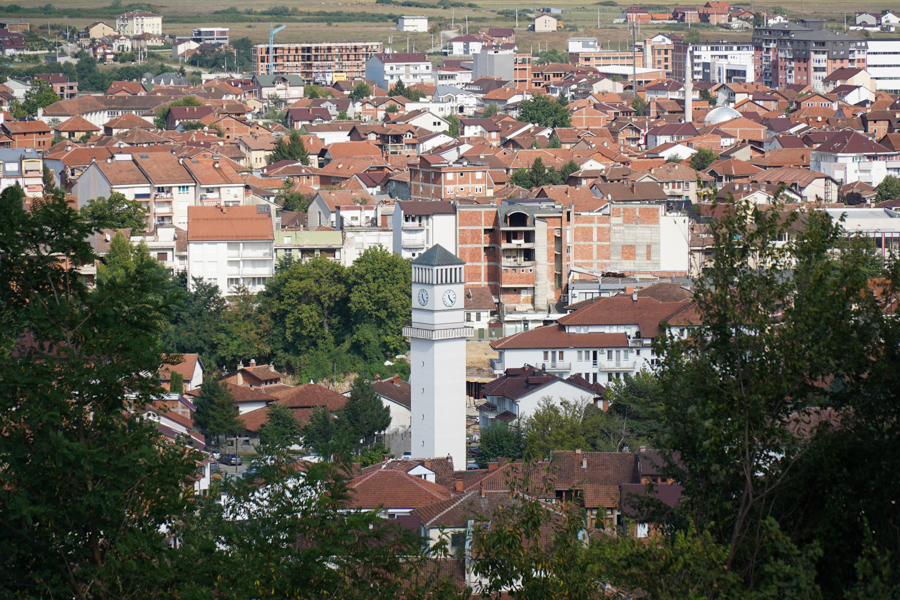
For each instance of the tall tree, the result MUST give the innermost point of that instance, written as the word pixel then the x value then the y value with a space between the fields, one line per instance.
pixel 291 199
pixel 888 189
pixel 41 95
pixel 555 426
pixel 379 305
pixel 640 106
pixel 702 159
pixel 217 414
pixel 365 413
pixel 197 325
pixel 546 111
pixel 116 212
pixel 176 382
pixel 281 429
pixel 245 331
pixel 501 440
pixel 292 149
pixel 554 142
pixel 362 90
pixel 78 458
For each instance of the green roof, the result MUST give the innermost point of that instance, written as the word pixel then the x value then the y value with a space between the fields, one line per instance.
pixel 313 238
pixel 438 256
pixel 269 80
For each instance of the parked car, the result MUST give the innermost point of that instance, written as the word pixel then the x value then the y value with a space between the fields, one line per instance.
pixel 231 459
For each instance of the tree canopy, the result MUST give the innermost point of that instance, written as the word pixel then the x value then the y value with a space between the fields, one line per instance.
pixel 116 212
pixel 546 111
pixel 888 189
pixel 41 95
pixel 292 149
pixel 702 159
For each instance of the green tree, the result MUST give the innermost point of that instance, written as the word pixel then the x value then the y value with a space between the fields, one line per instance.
pixel 674 158
pixel 490 109
pixel 49 181
pixel 379 302
pixel 281 429
pixel 292 149
pixel 640 106
pixel 535 145
pixel 554 142
pixel 546 111
pixel 455 128
pixel 41 95
pixel 775 320
pixel 362 90
pixel 501 440
pixel 400 89
pixel 552 56
pixel 554 426
pixel 244 332
pixel 315 91
pixel 162 114
pixel 391 109
pixel 702 159
pixel 888 189
pixel 327 435
pixel 706 94
pixel 78 456
pixel 176 382
pixel 197 325
pixel 364 412
pixel 638 400
pixel 692 37
pixel 291 200
pixel 116 212
pixel 217 414
pixel 759 19
pixel 342 116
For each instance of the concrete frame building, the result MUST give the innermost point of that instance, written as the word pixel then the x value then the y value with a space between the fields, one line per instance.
pixel 417 23
pixel 320 63
pixel 717 62
pixel 883 64
pixel 136 22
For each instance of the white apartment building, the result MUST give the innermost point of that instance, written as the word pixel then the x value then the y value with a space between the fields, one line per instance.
pixel 417 226
pixel 849 157
pixel 136 22
pixel 231 246
pixel 883 64
pixel 386 69
pixel 417 23
pixel 719 62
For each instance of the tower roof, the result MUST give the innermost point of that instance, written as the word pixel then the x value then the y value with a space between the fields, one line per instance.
pixel 438 256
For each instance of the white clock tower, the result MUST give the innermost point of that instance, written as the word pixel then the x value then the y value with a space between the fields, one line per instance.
pixel 438 355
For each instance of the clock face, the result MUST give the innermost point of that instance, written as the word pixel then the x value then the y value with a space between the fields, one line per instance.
pixel 449 298
pixel 423 297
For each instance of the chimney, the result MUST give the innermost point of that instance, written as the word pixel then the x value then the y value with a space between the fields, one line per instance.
pixel 493 465
pixel 642 448
pixel 272 367
pixel 604 405
pixel 634 296
pixel 240 378
pixel 459 482
pixel 108 159
pixel 427 464
pixel 577 451
pixel 482 490
pixel 629 289
pixel 252 362
pixel 377 377
pixel 396 379
pixel 584 462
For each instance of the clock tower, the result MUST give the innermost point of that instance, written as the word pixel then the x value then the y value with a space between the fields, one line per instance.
pixel 438 356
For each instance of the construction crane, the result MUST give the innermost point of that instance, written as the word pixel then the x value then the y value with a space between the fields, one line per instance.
pixel 272 32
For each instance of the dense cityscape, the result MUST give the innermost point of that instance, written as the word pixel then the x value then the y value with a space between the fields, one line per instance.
pixel 528 313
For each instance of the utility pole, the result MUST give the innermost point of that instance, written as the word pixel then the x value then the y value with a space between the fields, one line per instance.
pixel 452 20
pixel 517 18
pixel 634 60
pixel 467 24
pixel 598 18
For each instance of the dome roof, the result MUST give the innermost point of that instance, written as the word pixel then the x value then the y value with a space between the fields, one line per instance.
pixel 720 115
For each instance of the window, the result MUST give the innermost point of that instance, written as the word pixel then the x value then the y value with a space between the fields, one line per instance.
pixel 560 355
pixel 609 354
pixel 468 317
pixel 162 256
pixel 183 189
pixel 546 355
pixel 579 356
pixel 478 316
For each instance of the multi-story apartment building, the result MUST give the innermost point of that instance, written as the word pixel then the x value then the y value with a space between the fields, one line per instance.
pixel 62 87
pixel 319 63
pixel 136 22
pixel 23 167
pixel 386 69
pixel 210 35
pixel 231 246
pixel 654 53
pixel 525 250
pixel 417 226
pixel 436 178
pixel 506 64
pixel 803 53
pixel 717 62
pixel 883 64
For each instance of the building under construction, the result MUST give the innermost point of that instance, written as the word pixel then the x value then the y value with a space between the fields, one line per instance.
pixel 316 63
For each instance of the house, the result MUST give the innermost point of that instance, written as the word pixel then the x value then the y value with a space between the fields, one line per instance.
pixel 421 119
pixel 287 88
pixel 27 134
pixel 807 184
pixel 172 187
pixel 299 118
pixel 517 394
pixel 23 167
pixel 190 368
pixel 216 182
pixel 435 178
pixel 464 45
pixel 136 22
pixel 62 87
pixel 231 246
pixel 323 209
pixel 395 394
pixel 75 128
pixel 179 114
pixel 385 70
pixel 417 226
pixel 96 31
pixel 418 23
pixel 544 24
pixel 600 342
pixel 849 156
pixel 480 308
pixel 303 245
pixel 395 493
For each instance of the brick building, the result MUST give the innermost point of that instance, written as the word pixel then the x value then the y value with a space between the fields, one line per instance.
pixel 436 178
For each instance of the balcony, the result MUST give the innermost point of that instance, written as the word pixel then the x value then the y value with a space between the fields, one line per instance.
pixel 517 262
pixel 497 365
pixel 413 225
pixel 416 242
pixel 623 366
pixel 163 195
pixel 162 208
pixel 556 367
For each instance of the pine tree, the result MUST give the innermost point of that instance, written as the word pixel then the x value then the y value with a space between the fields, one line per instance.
pixel 365 412
pixel 281 429
pixel 176 382
pixel 217 414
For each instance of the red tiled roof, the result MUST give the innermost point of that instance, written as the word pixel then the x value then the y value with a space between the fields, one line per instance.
pixel 231 223
pixel 646 313
pixel 395 489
